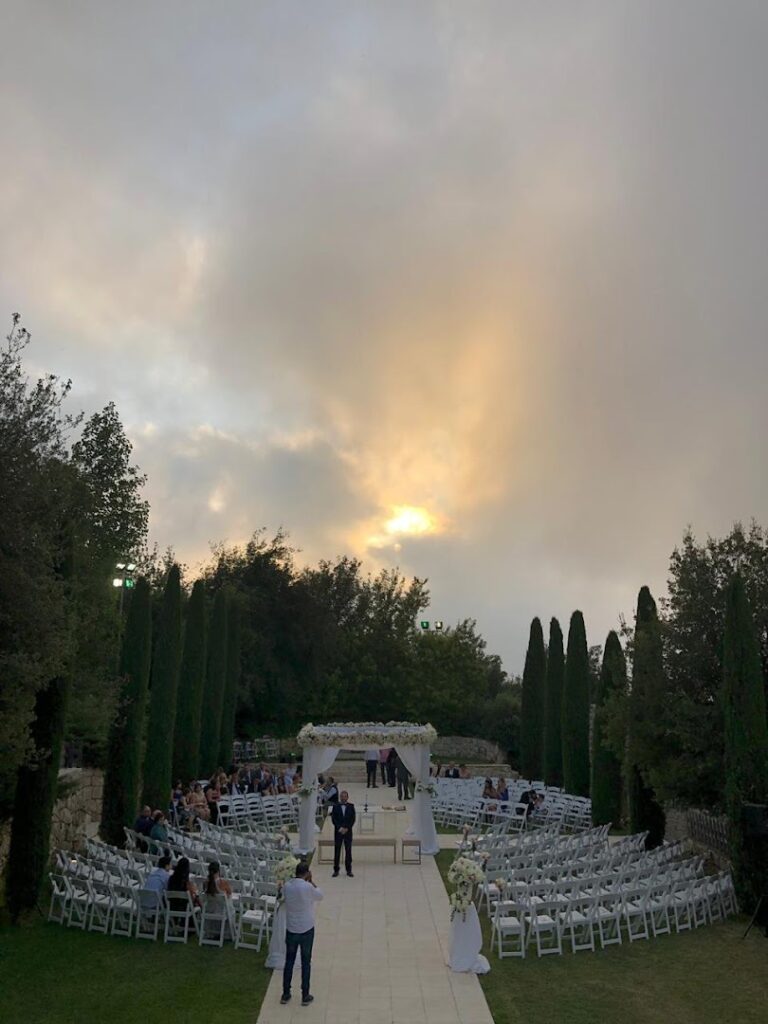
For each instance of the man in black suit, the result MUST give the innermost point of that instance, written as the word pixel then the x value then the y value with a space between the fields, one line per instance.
pixel 343 818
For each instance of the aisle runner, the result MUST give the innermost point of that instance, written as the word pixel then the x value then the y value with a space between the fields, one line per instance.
pixel 381 945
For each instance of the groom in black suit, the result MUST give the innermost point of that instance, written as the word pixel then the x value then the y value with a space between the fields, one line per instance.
pixel 343 818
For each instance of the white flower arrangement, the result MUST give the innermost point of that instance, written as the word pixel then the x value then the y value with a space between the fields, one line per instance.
pixel 285 869
pixel 464 874
pixel 366 734
pixel 307 789
pixel 426 787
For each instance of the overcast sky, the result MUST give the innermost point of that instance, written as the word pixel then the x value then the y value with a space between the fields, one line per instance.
pixel 477 289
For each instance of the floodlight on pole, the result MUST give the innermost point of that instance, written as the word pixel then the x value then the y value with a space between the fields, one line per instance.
pixel 120 565
pixel 117 582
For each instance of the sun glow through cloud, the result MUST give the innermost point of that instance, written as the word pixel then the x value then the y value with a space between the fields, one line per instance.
pixel 410 520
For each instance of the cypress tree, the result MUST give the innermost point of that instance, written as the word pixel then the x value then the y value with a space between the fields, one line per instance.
pixel 532 711
pixel 553 696
pixel 606 766
pixel 215 683
pixel 575 710
pixel 229 703
pixel 162 699
pixel 122 776
pixel 645 746
pixel 34 800
pixel 746 744
pixel 189 703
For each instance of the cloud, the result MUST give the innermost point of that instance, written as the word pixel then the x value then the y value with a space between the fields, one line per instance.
pixel 504 265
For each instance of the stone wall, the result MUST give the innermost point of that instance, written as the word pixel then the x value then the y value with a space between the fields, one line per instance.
pixel 467 750
pixel 77 812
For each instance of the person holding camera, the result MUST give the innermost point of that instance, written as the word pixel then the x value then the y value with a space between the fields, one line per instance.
pixel 301 896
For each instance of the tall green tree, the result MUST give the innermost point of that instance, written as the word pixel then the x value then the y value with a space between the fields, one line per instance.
pixel 553 696
pixel 189 703
pixel 532 713
pixel 166 662
pixel 575 710
pixel 215 684
pixel 607 768
pixel 35 796
pixel 746 744
pixel 122 776
pixel 229 703
pixel 645 730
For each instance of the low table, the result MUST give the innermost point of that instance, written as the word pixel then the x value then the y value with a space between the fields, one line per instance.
pixel 411 844
pixel 358 841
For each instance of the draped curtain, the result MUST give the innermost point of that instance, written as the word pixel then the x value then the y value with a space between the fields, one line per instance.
pixel 316 761
pixel 415 757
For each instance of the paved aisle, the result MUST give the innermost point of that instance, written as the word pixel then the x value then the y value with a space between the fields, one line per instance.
pixel 381 945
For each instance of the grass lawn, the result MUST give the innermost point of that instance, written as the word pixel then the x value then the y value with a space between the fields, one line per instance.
pixel 707 976
pixel 50 974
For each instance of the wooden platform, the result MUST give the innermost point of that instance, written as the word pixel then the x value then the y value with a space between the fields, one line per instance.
pixel 357 842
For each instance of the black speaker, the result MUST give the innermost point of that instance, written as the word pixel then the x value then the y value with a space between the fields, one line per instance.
pixel 755 820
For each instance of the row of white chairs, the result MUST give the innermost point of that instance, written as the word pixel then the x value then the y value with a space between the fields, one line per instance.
pixel 636 913
pixel 114 908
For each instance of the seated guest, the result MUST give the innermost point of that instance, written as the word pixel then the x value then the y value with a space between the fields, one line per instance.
pixel 159 830
pixel 464 772
pixel 216 885
pixel 233 785
pixel 143 824
pixel 288 776
pixel 158 878
pixel 198 805
pixel 180 882
pixel 266 786
pixel 502 791
pixel 330 791
pixel 212 796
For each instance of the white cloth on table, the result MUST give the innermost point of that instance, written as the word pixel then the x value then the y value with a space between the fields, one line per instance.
pixel 276 955
pixel 466 943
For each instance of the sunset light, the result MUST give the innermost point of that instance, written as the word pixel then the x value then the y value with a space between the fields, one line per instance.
pixel 410 520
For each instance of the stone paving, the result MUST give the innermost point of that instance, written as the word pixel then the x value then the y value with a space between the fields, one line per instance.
pixel 381 943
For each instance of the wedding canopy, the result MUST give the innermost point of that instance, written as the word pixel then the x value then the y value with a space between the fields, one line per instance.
pixel 322 743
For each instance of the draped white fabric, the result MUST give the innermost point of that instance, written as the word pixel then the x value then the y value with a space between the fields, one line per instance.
pixel 276 956
pixel 466 943
pixel 415 757
pixel 316 761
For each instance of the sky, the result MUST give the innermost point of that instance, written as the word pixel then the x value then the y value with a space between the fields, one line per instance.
pixel 473 289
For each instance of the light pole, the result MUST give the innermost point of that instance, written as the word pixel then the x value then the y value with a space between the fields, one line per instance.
pixel 124 580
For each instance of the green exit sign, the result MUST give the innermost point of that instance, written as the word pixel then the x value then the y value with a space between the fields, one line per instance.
pixel 425 624
pixel 128 584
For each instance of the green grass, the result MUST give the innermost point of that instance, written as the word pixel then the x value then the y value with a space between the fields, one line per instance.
pixel 707 976
pixel 50 974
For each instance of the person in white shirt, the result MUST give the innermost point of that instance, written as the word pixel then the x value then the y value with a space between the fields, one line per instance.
pixel 157 881
pixel 371 763
pixel 300 895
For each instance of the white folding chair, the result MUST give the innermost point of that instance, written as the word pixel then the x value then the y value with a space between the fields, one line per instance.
pixel 79 903
pixel 508 922
pixel 58 910
pixel 252 922
pixel 544 926
pixel 181 915
pixel 101 906
pixel 216 920
pixel 123 909
pixel 150 910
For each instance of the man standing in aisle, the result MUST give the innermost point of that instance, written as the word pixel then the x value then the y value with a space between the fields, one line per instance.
pixel 343 818
pixel 371 764
pixel 300 894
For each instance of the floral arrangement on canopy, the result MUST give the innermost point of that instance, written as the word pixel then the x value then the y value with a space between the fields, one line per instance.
pixel 464 874
pixel 366 734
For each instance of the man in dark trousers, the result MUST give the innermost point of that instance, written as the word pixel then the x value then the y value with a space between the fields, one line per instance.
pixel 343 818
pixel 403 780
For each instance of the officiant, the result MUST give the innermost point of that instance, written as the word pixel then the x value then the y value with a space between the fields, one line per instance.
pixel 343 818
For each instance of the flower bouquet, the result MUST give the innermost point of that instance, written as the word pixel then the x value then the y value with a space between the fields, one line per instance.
pixel 426 787
pixel 464 874
pixel 285 870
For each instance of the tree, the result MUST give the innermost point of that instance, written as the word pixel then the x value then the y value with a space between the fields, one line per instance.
pixel 35 796
pixel 606 766
pixel 35 625
pixel 229 703
pixel 553 695
pixel 189 703
pixel 645 733
pixel 532 714
pixel 575 710
pixel 215 684
pixel 693 624
pixel 122 778
pixel 746 744
pixel 166 662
